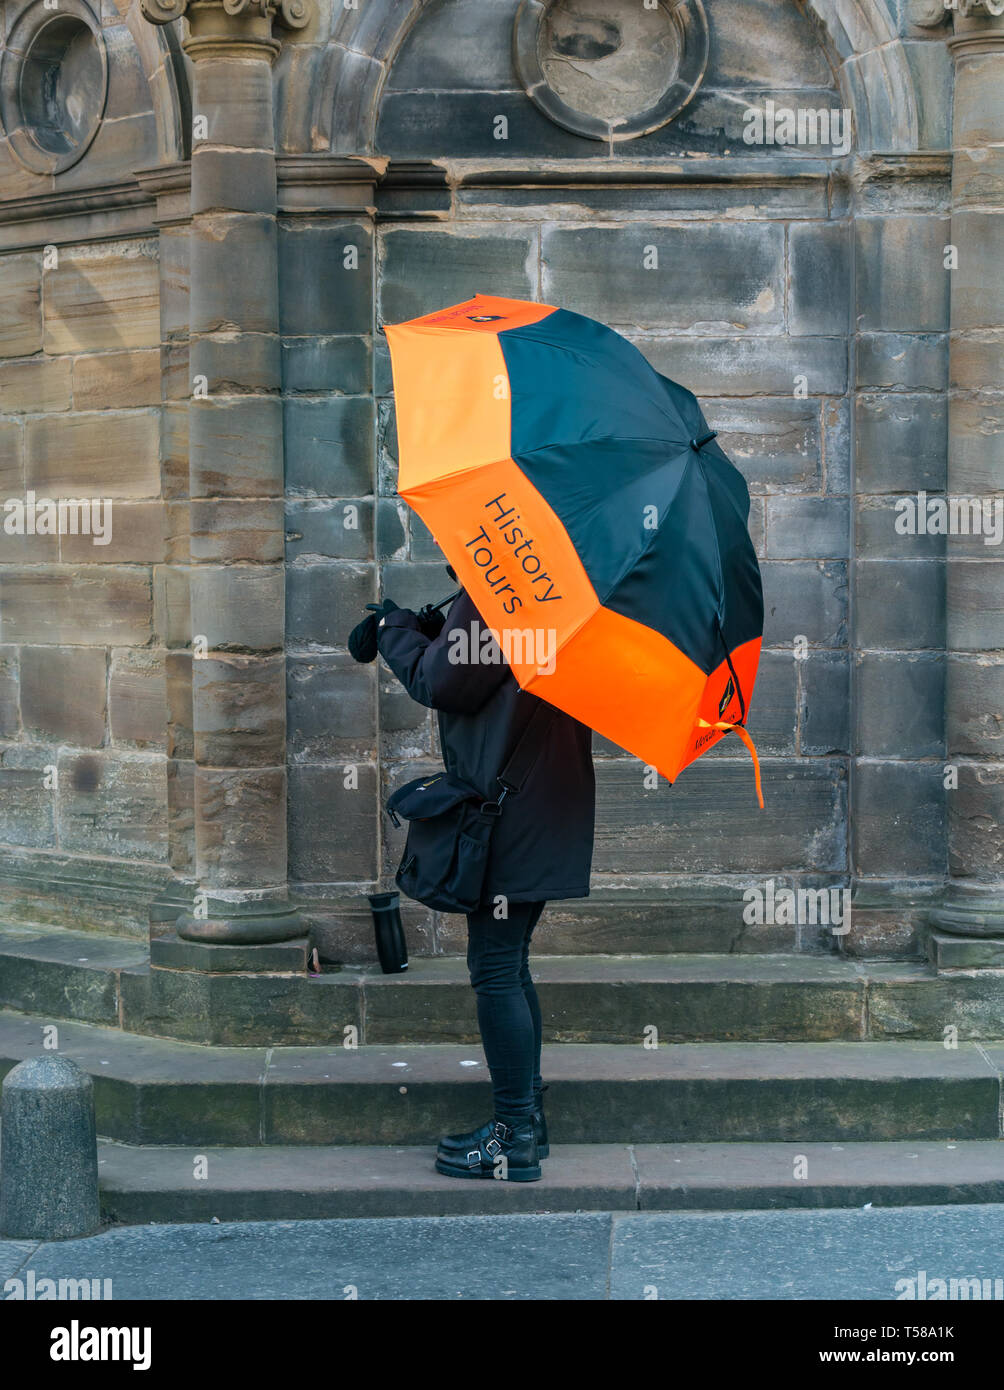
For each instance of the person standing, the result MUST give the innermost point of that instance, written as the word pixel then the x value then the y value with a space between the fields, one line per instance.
pixel 541 850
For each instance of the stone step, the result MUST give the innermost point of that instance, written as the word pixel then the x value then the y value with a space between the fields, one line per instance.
pixel 156 1091
pixel 67 974
pixel 281 1183
pixel 594 999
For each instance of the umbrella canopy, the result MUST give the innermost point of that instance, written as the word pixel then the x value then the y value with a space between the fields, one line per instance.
pixel 587 510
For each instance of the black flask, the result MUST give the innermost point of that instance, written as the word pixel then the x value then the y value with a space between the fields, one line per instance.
pixel 390 943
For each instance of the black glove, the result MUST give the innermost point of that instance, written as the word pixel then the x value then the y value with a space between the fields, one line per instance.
pixel 431 621
pixel 363 637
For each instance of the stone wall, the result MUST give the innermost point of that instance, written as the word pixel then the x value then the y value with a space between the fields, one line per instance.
pixel 84 716
pixel 801 296
pixel 755 287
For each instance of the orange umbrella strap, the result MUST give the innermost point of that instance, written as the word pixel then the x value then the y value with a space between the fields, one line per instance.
pixel 738 729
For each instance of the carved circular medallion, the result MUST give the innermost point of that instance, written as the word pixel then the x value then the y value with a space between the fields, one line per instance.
pixel 610 69
pixel 53 85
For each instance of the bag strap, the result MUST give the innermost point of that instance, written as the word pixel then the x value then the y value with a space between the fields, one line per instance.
pixel 527 750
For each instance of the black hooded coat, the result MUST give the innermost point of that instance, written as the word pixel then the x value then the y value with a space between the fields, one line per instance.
pixel 542 846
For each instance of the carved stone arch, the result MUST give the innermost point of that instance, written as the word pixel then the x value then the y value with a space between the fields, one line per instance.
pixel 859 35
pixel 874 74
pixel 165 67
pixel 363 47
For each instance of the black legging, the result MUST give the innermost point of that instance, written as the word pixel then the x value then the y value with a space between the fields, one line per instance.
pixel 498 957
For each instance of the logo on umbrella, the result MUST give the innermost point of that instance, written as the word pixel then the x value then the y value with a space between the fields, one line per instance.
pixel 483 318
pixel 723 704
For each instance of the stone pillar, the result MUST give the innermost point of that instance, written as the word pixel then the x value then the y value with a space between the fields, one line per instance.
pixel 897 794
pixel 237 577
pixel 969 921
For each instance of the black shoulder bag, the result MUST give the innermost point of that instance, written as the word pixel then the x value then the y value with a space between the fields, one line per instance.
pixel 450 826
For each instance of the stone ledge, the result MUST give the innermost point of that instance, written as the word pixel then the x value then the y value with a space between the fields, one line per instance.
pixel 235 996
pixel 151 1091
pixel 286 1184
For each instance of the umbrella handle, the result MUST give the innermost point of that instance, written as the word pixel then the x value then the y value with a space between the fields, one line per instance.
pixel 740 730
pixel 698 444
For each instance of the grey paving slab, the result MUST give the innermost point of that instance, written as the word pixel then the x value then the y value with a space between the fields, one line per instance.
pixel 794 1255
pixel 469 1257
pixel 858 1254
pixel 15 1255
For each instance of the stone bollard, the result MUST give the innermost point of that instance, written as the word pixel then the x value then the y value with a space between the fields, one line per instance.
pixel 48 1152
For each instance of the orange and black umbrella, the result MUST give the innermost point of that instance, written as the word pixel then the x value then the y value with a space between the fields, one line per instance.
pixel 579 493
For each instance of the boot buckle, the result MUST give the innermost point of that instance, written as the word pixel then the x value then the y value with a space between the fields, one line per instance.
pixel 473 1158
pixel 493 1147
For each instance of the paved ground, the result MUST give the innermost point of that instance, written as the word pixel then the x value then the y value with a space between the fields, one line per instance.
pixel 803 1255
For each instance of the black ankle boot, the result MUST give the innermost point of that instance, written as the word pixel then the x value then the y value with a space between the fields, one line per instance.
pixel 479 1153
pixel 539 1123
pixel 452 1144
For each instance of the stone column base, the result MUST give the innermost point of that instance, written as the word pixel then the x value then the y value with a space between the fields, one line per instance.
pixel 964 952
pixel 969 911
pixel 172 952
pixel 250 925
pixel 965 929
pixel 243 924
